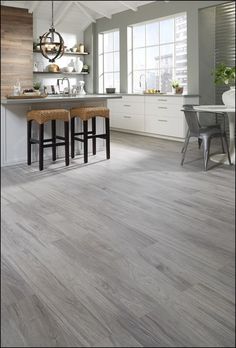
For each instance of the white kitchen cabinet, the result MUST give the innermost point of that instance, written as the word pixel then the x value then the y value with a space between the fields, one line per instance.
pixel 163 116
pixel 163 126
pixel 128 113
pixel 151 115
pixel 128 121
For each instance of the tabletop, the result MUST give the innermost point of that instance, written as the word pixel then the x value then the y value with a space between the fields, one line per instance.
pixel 214 108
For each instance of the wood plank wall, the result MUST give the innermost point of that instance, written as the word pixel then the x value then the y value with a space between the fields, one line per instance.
pixel 16 48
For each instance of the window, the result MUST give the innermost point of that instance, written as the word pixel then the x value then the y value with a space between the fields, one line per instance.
pixel 109 60
pixel 157 54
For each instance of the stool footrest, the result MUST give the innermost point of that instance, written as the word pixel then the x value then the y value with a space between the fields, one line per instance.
pixel 51 145
pixel 79 139
pixel 102 136
pixel 82 133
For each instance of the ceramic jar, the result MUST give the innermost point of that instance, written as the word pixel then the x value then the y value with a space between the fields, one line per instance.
pixel 228 97
pixel 78 65
pixel 81 48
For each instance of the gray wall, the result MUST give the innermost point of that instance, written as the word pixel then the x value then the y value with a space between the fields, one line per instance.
pixel 224 41
pixel 216 47
pixel 147 12
pixel 88 43
pixel 207 18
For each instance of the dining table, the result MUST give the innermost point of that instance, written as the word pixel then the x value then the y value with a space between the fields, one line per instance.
pixel 230 112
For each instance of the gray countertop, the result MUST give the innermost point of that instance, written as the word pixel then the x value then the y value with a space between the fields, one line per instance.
pixel 51 99
pixel 159 95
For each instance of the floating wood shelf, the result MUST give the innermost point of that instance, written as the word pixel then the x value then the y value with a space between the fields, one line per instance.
pixel 60 73
pixel 68 53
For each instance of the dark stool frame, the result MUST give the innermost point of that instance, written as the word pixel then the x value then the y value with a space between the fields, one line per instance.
pixel 90 135
pixel 41 141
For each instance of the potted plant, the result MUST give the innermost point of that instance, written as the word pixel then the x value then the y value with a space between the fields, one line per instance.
pixel 225 75
pixel 37 85
pixel 178 89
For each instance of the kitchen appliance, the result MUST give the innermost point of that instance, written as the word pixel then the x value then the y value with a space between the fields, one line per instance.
pixel 110 90
pixel 81 90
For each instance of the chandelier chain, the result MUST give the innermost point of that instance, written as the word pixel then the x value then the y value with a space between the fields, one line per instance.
pixel 52 16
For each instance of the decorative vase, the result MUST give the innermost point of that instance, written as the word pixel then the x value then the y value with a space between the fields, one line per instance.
pixel 179 90
pixel 81 48
pixel 72 65
pixel 228 97
pixel 78 65
pixel 35 66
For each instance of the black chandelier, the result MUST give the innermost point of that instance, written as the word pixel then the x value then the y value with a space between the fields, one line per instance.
pixel 52 43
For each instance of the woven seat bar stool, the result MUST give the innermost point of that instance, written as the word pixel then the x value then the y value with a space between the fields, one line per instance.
pixel 86 113
pixel 41 117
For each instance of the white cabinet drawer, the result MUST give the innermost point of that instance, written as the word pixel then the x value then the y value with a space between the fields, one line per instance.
pixel 170 127
pixel 167 111
pixel 165 100
pixel 135 123
pixel 133 99
pixel 127 105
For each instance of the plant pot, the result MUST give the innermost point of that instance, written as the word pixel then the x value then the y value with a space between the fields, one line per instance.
pixel 179 90
pixel 228 97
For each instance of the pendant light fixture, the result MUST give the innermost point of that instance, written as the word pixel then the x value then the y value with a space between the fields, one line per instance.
pixel 52 43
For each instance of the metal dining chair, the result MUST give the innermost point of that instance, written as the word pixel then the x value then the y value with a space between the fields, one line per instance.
pixel 215 125
pixel 203 133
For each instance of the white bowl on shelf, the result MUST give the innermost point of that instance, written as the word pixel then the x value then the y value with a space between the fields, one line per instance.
pixel 68 69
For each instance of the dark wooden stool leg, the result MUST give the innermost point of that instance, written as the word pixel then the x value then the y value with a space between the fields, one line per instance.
pixel 85 128
pixel 54 153
pixel 29 128
pixel 67 145
pixel 41 135
pixel 94 133
pixel 107 125
pixel 72 125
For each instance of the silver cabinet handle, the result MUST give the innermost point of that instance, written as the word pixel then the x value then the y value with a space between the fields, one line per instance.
pixel 162 107
pixel 127 105
pixel 127 116
pixel 162 120
pixel 162 99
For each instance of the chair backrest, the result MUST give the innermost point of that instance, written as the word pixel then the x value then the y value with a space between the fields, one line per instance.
pixel 192 121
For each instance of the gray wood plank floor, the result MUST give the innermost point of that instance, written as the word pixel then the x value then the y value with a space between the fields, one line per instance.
pixel 136 251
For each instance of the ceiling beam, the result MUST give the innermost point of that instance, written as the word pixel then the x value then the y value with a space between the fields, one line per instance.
pixel 97 10
pixel 62 12
pixel 128 5
pixel 33 6
pixel 85 12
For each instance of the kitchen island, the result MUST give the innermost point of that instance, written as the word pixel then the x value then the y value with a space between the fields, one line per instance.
pixel 14 128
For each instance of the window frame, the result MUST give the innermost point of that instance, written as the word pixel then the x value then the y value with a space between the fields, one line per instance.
pixel 113 51
pixel 130 48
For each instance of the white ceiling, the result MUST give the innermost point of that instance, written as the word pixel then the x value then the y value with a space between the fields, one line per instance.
pixel 80 12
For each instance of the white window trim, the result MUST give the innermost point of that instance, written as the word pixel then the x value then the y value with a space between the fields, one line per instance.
pixel 130 27
pixel 102 54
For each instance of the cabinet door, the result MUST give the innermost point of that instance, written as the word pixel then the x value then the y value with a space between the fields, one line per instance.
pixel 127 121
pixel 127 113
pixel 127 105
pixel 166 111
pixel 163 116
pixel 163 126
